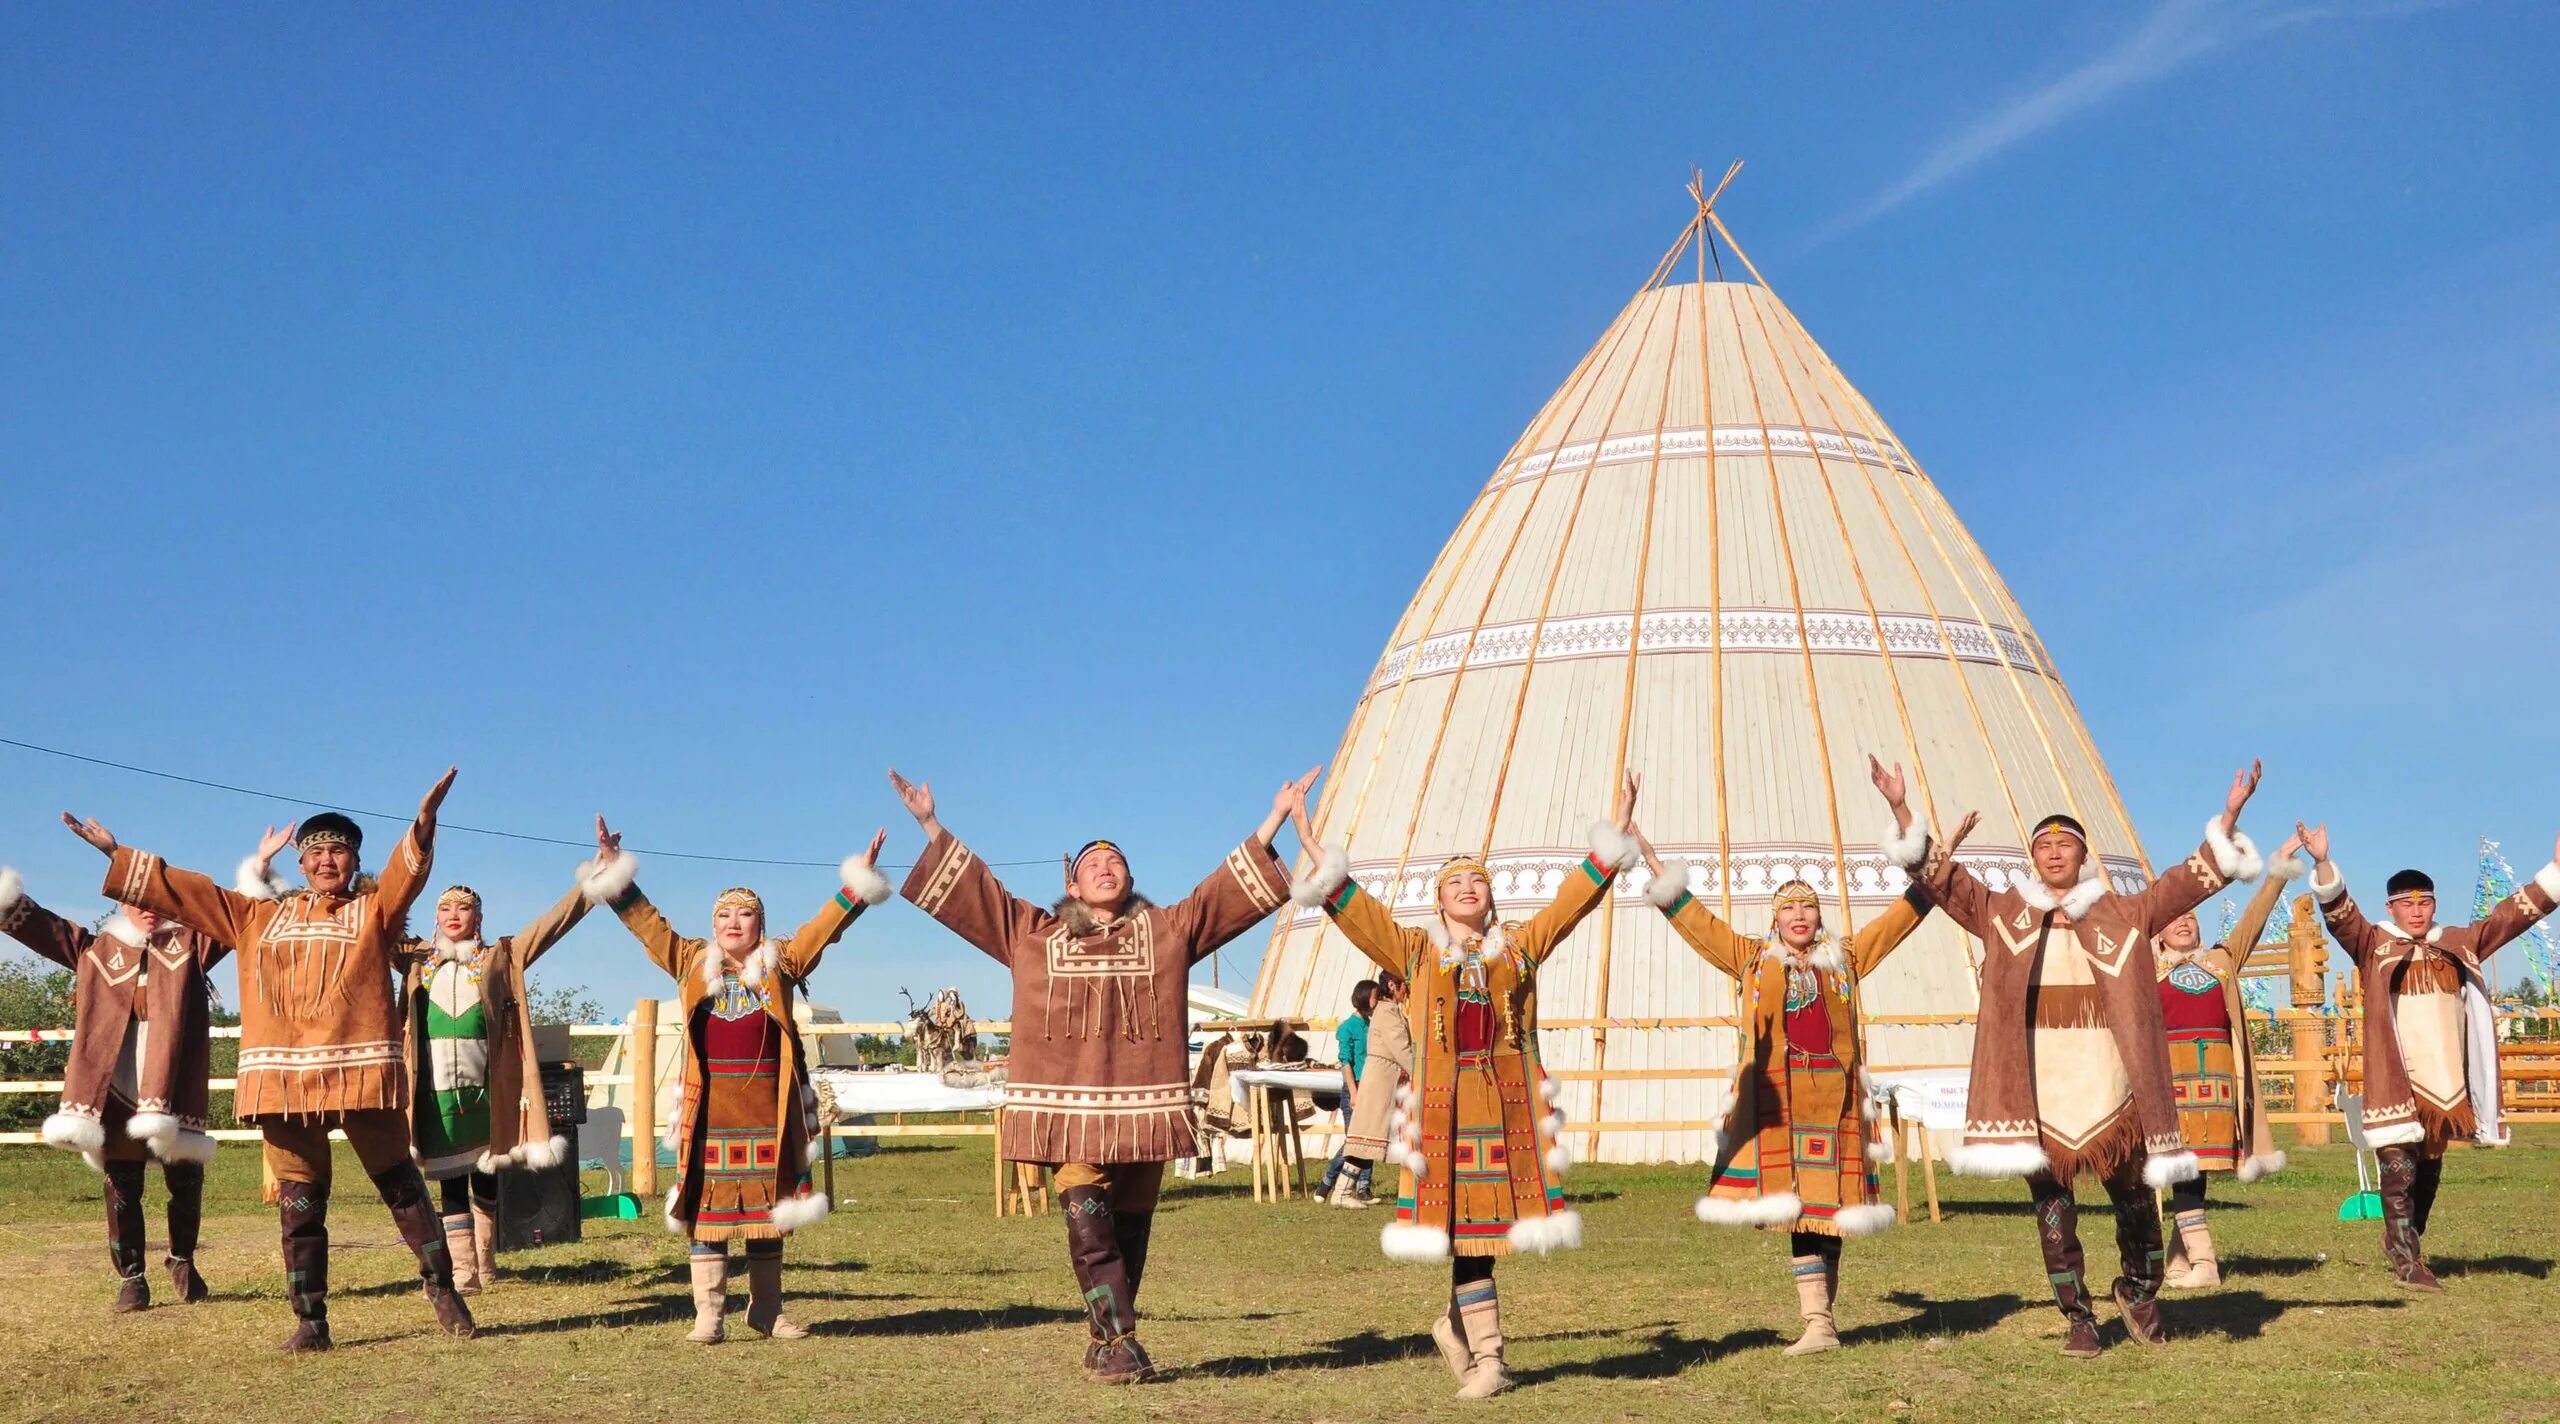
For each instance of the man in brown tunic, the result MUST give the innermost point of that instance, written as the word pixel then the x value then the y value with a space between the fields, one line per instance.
pixel 2430 1041
pixel 135 1088
pixel 319 1037
pixel 1100 1085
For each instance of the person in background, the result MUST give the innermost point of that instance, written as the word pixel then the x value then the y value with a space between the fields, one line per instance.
pixel 1351 1042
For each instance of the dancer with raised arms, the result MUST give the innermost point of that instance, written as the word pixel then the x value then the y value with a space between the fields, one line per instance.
pixel 1100 1082
pixel 2430 1036
pixel 135 1087
pixel 319 1034
pixel 745 1134
pixel 1478 1137
pixel 1794 1152
pixel 2070 1059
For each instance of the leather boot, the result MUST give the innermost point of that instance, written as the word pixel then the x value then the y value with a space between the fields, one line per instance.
pixel 484 1242
pixel 2422 1194
pixel 185 1181
pixel 125 1241
pixel 2141 1256
pixel 2193 1245
pixel 1346 1193
pixel 404 1190
pixel 1813 1299
pixel 1093 1244
pixel 1480 1317
pixel 2058 1235
pixel 458 1245
pixel 764 1300
pixel 2400 1242
pixel 302 1210
pixel 710 1296
pixel 1134 1232
pixel 1450 1334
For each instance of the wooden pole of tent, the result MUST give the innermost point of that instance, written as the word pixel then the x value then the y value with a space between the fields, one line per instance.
pixel 641 1050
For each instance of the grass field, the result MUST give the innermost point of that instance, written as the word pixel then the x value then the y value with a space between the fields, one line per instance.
pixel 927 1308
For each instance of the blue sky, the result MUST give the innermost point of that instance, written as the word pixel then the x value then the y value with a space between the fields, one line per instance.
pixel 688 416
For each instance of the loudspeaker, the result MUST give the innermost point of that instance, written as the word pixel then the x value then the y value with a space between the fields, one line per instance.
pixel 538 1207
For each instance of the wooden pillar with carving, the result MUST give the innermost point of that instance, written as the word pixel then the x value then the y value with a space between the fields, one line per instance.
pixel 2307 955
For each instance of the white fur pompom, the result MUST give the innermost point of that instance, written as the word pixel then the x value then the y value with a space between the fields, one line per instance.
pixel 792 1213
pixel 2165 1169
pixel 1332 871
pixel 864 880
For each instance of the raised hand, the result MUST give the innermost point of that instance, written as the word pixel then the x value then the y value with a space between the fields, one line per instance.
pixel 1963 829
pixel 608 841
pixel 1625 814
pixel 272 844
pixel 1291 798
pixel 1652 860
pixel 2314 839
pixel 2291 844
pixel 90 831
pixel 917 796
pixel 1889 784
pixel 435 798
pixel 879 838
pixel 2244 784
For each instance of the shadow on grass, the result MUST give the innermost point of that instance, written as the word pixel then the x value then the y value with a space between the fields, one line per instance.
pixel 594 1273
pixel 2534 1266
pixel 2245 1314
pixel 951 1320
pixel 673 1311
pixel 2265 1266
pixel 1938 1317
pixel 1349 1352
pixel 1663 1354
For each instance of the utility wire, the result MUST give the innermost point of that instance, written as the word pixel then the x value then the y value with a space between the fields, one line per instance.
pixel 441 823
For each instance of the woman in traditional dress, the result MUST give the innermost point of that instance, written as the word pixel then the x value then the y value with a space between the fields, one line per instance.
pixel 1793 1152
pixel 2221 1116
pixel 745 1135
pixel 1478 1136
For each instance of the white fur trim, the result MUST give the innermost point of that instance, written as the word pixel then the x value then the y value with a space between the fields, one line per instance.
pixel 1404 1094
pixel 13 888
pixel 489 1164
pixel 1906 848
pixel 1667 888
pixel 2548 878
pixel 189 1146
pixel 74 1133
pixel 864 880
pixel 121 928
pixel 2251 1169
pixel 1556 1231
pixel 604 884
pixel 1554 1123
pixel 2400 1135
pixel 762 963
pixel 1997 1159
pixel 2327 891
pixel 1881 1150
pixel 1395 1123
pixel 543 1155
pixel 97 1163
pixel 669 1211
pixel 153 1130
pixel 2288 867
pixel 2166 1169
pixel 1750 1211
pixel 792 1213
pixel 1551 1090
pixel 809 1153
pixel 1865 1220
pixel 1405 1241
pixel 1332 870
pixel 1558 1160
pixel 2075 902
pixel 2234 854
pixel 257 881
pixel 1614 849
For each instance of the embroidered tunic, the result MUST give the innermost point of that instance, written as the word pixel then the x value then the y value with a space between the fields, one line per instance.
pixel 140 1039
pixel 453 1111
pixel 319 1033
pixel 1100 1069
pixel 2421 1081
pixel 477 1103
pixel 741 1142
pixel 2212 1070
pixel 1792 1153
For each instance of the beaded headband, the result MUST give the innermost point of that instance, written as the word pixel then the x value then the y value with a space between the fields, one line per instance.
pixel 459 895
pixel 1794 892
pixel 1089 848
pixel 738 898
pixel 1456 865
pixel 2064 824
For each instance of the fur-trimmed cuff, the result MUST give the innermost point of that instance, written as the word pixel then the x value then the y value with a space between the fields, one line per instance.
pixel 157 1131
pixel 667 1213
pixel 1539 1235
pixel 1906 848
pixel 2288 868
pixel 191 1146
pixel 2252 1168
pixel 258 880
pixel 1406 1241
pixel 864 880
pixel 2167 1169
pixel 1997 1159
pixel 1667 888
pixel 12 889
pixel 1332 871
pixel 2547 879
pixel 544 1155
pixel 2399 1134
pixel 1865 1220
pixel 792 1213
pixel 1776 1209
pixel 604 884
pixel 2330 890
pixel 73 1132
pixel 1613 849
pixel 2234 854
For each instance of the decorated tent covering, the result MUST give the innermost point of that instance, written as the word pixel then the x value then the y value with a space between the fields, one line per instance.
pixel 1710 559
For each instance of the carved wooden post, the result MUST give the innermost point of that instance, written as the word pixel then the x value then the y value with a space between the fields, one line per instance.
pixel 642 1056
pixel 2307 957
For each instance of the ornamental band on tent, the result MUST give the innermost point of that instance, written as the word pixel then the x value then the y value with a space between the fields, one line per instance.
pixel 1706 558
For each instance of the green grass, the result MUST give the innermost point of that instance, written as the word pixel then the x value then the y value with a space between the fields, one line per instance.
pixel 926 1308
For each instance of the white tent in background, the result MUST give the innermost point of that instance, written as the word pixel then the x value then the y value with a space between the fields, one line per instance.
pixel 1709 559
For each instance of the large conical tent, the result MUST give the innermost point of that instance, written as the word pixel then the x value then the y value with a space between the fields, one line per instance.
pixel 1707 559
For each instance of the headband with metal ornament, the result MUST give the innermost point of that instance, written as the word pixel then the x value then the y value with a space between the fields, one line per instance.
pixel 1794 892
pixel 458 895
pixel 2064 824
pixel 2407 884
pixel 1455 865
pixel 1076 862
pixel 738 897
